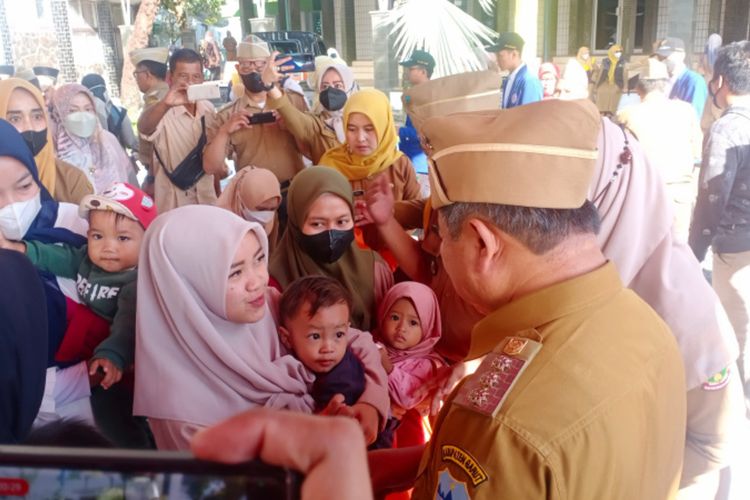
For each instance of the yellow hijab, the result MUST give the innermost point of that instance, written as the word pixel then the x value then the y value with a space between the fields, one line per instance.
pixel 45 160
pixel 612 62
pixel 375 106
pixel 586 63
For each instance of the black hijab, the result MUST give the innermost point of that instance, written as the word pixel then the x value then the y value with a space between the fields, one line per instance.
pixel 23 345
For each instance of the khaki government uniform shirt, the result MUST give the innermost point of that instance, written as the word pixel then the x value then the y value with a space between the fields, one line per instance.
pixel 267 146
pixel 308 128
pixel 598 413
pixel 175 136
pixel 71 184
pixel 154 95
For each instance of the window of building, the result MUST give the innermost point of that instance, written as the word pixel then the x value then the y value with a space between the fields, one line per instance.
pixel 608 27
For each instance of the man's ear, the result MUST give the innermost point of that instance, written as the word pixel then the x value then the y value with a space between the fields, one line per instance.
pixel 487 242
pixel 168 78
pixel 286 337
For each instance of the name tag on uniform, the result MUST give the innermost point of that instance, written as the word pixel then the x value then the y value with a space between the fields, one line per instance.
pixel 486 390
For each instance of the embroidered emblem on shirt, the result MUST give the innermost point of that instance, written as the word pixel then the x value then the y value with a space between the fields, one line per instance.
pixel 465 461
pixel 514 346
pixel 486 390
pixel 717 381
pixel 449 488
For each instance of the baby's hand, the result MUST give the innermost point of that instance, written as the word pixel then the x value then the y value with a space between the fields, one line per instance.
pixel 7 244
pixel 112 374
pixel 387 365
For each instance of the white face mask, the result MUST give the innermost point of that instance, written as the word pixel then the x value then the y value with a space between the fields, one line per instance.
pixel 585 56
pixel 262 217
pixel 81 123
pixel 16 218
pixel 618 55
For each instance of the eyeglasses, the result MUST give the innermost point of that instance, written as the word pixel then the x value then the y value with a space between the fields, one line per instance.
pixel 259 65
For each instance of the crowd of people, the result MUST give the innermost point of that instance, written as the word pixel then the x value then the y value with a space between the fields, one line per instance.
pixel 507 301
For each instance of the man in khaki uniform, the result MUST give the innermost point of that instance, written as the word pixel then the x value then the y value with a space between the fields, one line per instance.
pixel 266 145
pixel 150 73
pixel 177 129
pixel 671 137
pixel 581 393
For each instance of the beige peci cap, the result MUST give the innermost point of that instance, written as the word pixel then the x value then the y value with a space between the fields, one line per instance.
pixel 537 155
pixel 253 47
pixel 155 54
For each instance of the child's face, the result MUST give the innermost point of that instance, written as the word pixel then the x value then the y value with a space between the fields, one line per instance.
pixel 113 244
pixel 319 341
pixel 401 328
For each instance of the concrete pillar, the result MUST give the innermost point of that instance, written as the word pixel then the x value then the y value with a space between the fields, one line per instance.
pixel 385 69
pixel 107 36
pixel 363 29
pixel 59 9
pixel 5 35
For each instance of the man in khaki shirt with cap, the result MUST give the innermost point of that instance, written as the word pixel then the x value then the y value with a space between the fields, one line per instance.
pixel 177 128
pixel 581 392
pixel 266 145
pixel 150 74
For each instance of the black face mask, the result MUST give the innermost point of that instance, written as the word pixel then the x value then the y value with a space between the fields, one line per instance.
pixel 327 247
pixel 333 99
pixel 253 82
pixel 35 140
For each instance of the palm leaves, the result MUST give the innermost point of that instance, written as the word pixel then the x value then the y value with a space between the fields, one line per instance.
pixel 450 35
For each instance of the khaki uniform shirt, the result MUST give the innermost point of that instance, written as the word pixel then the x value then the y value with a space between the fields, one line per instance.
pixel 308 128
pixel 175 136
pixel 267 146
pixel 72 184
pixel 154 95
pixel 598 413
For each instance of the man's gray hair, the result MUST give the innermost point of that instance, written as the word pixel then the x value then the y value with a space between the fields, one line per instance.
pixel 539 229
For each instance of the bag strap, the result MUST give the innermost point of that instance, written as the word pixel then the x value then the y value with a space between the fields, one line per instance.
pixel 201 140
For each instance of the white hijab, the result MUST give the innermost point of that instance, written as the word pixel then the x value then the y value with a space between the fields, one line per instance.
pixel 191 363
pixel 335 119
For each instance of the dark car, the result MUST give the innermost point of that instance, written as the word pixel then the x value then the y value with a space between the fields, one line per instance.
pixel 294 42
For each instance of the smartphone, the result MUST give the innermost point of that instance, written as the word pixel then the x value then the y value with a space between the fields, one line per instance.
pixel 203 91
pixel 46 472
pixel 259 118
pixel 300 63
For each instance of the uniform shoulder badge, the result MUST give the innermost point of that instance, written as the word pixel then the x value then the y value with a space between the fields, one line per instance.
pixel 485 391
pixel 717 381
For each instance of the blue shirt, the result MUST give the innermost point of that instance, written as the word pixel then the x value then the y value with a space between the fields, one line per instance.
pixel 525 88
pixel 691 88
pixel 410 146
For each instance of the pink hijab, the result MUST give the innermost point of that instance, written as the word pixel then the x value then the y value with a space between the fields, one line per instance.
pixel 100 153
pixel 636 234
pixel 428 310
pixel 191 363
